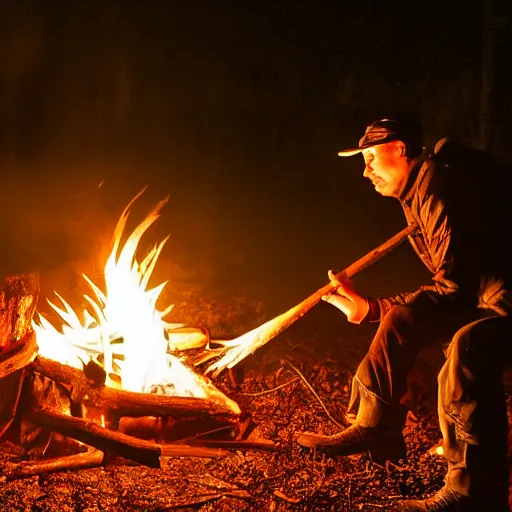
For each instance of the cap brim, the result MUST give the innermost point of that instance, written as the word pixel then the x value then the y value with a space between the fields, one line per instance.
pixel 355 151
pixel 350 152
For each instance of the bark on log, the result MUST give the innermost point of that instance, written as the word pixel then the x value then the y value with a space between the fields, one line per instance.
pixel 18 300
pixel 20 355
pixel 127 403
pixel 128 447
pixel 18 348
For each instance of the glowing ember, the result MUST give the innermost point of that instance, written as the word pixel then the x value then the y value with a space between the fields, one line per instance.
pixel 125 332
pixel 436 450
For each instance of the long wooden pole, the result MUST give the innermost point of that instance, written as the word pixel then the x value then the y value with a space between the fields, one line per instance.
pixel 233 351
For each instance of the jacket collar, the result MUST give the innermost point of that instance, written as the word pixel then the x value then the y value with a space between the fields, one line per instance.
pixel 413 180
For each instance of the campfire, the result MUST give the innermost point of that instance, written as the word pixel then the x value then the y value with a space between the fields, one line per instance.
pixel 116 383
pixel 111 377
pixel 124 333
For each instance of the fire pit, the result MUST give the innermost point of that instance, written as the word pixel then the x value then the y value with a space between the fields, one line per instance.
pixel 110 378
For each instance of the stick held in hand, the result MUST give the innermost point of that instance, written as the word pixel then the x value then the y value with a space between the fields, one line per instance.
pixel 234 351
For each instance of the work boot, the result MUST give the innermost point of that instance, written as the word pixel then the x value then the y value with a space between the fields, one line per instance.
pixel 446 500
pixel 377 429
pixel 382 445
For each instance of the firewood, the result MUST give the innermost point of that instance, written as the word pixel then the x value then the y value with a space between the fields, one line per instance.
pixel 128 403
pixel 90 459
pixel 128 447
pixel 187 338
pixel 20 355
pixel 18 348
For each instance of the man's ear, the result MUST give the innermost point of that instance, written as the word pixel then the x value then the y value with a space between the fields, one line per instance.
pixel 402 150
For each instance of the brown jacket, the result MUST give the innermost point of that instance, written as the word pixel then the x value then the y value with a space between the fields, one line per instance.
pixel 459 198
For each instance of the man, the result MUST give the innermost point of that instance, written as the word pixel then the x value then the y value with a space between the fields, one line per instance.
pixel 458 198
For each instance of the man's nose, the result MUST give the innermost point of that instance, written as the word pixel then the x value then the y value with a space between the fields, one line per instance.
pixel 367 171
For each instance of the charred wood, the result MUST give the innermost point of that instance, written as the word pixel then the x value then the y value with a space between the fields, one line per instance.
pixel 128 447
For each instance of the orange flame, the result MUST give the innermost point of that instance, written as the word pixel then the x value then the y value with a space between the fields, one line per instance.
pixel 125 332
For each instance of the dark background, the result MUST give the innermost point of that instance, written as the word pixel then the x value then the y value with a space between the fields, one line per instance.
pixel 236 110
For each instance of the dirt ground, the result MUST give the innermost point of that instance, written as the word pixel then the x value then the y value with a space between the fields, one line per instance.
pixel 290 479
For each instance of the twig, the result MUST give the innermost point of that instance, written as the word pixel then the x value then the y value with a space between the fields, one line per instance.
pixel 337 423
pixel 267 391
pixel 283 496
pixel 234 445
pixel 185 440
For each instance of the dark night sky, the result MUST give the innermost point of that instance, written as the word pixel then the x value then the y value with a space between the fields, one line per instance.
pixel 236 110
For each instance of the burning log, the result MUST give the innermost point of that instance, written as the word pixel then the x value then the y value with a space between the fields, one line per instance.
pixel 234 351
pixel 120 403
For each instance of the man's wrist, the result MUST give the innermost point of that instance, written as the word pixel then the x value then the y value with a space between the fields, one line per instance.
pixel 373 313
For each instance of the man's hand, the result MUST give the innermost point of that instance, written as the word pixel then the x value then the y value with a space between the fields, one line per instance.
pixel 347 300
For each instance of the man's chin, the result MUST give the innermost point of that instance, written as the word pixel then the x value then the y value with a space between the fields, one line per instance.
pixel 381 189
pixel 385 191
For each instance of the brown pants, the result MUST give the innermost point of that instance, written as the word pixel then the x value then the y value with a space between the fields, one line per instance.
pixel 471 402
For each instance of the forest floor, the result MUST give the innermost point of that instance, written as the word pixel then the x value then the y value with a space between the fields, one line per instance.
pixel 290 479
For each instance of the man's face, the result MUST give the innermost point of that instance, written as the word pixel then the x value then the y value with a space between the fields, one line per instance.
pixel 387 167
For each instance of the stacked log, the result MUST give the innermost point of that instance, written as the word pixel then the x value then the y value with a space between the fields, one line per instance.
pixel 44 396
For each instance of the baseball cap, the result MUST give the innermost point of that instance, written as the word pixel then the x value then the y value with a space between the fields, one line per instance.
pixel 387 130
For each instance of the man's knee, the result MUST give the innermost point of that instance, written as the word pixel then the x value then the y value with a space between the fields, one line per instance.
pixel 475 346
pixel 399 322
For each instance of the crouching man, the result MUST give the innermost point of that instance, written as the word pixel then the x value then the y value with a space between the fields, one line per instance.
pixel 459 199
